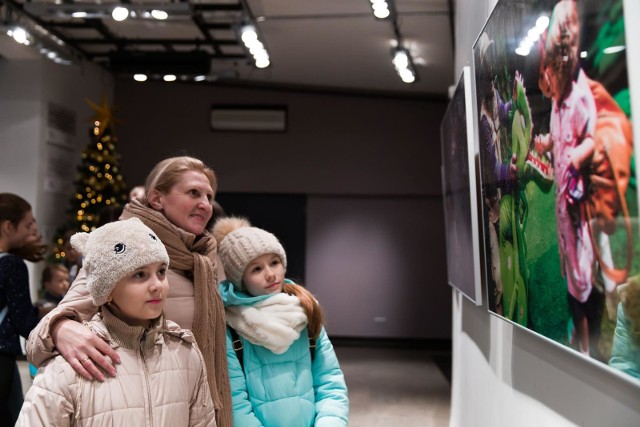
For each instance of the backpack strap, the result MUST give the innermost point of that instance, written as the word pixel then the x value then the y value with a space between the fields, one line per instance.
pixel 237 346
pixel 312 349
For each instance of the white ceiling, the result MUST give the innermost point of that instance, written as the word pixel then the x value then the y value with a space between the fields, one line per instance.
pixel 317 44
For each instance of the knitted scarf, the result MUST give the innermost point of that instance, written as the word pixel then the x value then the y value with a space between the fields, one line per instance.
pixel 274 323
pixel 195 256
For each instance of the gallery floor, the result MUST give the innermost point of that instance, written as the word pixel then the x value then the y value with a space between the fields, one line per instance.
pixel 388 386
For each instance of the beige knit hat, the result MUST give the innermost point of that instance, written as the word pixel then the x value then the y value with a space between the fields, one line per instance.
pixel 239 244
pixel 114 250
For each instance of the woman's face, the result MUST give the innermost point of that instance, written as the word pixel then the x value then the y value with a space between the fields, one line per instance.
pixel 264 275
pixel 19 234
pixel 188 204
pixel 140 296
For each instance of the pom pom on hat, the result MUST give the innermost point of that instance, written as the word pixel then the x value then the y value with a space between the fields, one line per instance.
pixel 239 243
pixel 115 250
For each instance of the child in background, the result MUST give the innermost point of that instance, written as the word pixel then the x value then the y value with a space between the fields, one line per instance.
pixel 162 379
pixel 55 283
pixel 282 366
pixel 72 258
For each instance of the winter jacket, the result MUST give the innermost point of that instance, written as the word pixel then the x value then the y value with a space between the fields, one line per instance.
pixel 21 316
pixel 284 390
pixel 161 381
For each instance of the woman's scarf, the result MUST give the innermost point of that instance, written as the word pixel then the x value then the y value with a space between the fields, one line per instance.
pixel 197 256
pixel 274 323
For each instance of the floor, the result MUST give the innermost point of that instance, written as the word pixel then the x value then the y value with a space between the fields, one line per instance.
pixel 387 386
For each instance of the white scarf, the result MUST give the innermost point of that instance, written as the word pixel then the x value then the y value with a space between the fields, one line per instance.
pixel 274 323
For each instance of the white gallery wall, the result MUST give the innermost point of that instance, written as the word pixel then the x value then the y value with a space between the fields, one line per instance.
pixel 38 161
pixel 504 375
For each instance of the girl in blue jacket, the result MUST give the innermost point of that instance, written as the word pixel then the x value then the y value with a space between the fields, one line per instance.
pixel 282 367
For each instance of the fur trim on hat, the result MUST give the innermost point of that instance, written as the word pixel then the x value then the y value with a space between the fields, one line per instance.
pixel 115 250
pixel 226 225
pixel 239 244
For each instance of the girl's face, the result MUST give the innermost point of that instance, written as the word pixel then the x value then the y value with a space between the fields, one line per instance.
pixel 188 204
pixel 139 297
pixel 19 234
pixel 264 275
pixel 59 283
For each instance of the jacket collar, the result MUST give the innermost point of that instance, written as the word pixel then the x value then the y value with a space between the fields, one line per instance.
pixel 131 337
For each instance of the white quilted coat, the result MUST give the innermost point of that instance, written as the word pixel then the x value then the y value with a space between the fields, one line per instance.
pixel 161 381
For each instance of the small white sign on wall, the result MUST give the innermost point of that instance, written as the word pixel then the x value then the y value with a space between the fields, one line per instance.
pixel 61 126
pixel 59 171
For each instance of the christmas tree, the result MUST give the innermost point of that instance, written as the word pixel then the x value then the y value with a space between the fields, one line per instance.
pixel 99 183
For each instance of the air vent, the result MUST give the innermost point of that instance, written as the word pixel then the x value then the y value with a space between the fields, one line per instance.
pixel 250 118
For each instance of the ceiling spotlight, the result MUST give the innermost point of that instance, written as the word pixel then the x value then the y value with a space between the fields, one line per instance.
pixel 20 35
pixel 200 78
pixel 257 49
pixel 169 78
pixel 120 13
pixel 140 77
pixel 159 14
pixel 381 8
pixel 404 65
pixel 79 14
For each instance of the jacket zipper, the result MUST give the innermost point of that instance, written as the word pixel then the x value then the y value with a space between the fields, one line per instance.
pixel 146 379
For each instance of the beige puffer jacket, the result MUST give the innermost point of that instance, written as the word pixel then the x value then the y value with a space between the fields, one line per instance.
pixel 77 305
pixel 161 381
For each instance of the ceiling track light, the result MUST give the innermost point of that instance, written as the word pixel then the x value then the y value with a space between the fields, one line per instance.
pixel 382 9
pixel 118 11
pixel 403 63
pixel 253 44
pixel 25 29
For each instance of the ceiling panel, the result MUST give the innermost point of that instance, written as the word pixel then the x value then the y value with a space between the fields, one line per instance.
pixel 327 44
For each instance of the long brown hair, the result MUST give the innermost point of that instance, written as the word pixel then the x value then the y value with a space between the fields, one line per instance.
pixel 311 308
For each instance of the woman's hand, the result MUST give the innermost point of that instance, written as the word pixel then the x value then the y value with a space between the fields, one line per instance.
pixel 84 351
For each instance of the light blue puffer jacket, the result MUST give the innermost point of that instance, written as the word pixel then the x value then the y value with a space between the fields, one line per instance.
pixel 285 390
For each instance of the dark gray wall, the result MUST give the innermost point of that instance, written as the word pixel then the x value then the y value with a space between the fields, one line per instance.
pixel 352 155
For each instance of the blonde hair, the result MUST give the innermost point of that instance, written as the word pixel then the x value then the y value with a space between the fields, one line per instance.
pixel 563 38
pixel 166 174
pixel 311 308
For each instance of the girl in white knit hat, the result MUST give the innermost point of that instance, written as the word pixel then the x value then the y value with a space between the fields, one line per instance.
pixel 282 367
pixel 161 377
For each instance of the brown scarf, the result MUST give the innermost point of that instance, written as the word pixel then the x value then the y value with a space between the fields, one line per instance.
pixel 198 257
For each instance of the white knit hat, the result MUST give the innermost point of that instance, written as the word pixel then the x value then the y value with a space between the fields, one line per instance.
pixel 114 250
pixel 239 244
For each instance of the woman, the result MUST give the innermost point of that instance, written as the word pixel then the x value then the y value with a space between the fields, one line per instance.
pixel 18 316
pixel 179 192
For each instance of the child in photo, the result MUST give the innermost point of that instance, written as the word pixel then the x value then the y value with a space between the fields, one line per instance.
pixel 282 366
pixel 571 140
pixel 161 378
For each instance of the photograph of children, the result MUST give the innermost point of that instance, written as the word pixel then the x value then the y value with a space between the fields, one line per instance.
pixel 460 219
pixel 557 168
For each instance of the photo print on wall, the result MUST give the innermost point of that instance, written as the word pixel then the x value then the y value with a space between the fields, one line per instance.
pixel 459 191
pixel 558 179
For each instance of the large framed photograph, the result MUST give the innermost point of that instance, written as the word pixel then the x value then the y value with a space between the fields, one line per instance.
pixel 459 191
pixel 558 178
